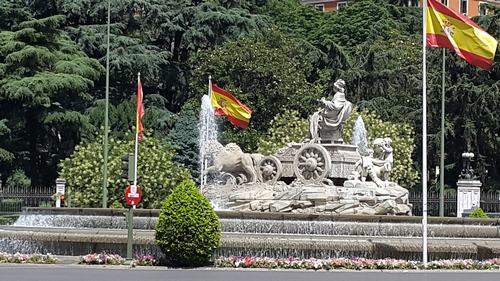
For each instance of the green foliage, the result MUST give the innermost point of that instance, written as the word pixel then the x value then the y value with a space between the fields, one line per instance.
pixel 478 213
pixel 285 128
pixel 188 230
pixel 401 134
pixel 184 135
pixel 18 180
pixel 44 89
pixel 116 205
pixel 270 73
pixel 47 80
pixel 11 14
pixel 157 175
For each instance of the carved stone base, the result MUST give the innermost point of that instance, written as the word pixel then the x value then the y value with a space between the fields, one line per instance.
pixel 355 197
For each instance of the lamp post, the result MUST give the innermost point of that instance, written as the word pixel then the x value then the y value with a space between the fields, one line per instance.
pixel 106 117
pixel 467 171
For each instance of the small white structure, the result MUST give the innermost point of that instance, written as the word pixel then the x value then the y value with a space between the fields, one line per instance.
pixel 468 195
pixel 60 190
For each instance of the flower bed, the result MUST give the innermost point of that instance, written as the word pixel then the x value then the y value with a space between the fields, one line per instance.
pixel 22 258
pixel 352 263
pixel 111 259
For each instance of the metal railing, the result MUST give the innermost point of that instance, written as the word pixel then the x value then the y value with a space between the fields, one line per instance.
pixel 450 203
pixel 489 202
pixel 13 199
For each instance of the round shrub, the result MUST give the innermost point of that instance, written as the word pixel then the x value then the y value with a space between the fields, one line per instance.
pixel 188 229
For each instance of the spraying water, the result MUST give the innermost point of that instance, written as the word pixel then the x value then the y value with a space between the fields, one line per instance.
pixel 209 146
pixel 359 137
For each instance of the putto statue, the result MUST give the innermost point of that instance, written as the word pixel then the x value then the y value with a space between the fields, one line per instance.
pixel 326 124
pixel 376 165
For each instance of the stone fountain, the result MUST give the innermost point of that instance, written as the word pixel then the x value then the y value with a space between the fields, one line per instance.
pixel 321 174
pixel 318 198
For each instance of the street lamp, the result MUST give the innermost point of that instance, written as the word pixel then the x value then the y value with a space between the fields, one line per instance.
pixel 467 171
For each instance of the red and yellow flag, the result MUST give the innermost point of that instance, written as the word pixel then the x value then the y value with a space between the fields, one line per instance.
pixel 449 29
pixel 226 104
pixel 140 110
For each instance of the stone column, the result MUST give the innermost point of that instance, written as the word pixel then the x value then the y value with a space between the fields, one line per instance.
pixel 468 195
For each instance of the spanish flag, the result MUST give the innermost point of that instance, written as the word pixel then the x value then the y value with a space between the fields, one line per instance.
pixel 449 29
pixel 226 104
pixel 140 109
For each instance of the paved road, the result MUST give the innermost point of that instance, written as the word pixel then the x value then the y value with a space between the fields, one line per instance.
pixel 96 273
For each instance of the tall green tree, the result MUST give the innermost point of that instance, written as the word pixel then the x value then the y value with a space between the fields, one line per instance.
pixel 44 88
pixel 270 73
pixel 185 137
pixel 155 37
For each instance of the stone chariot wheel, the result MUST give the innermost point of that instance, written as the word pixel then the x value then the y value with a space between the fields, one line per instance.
pixel 269 169
pixel 312 163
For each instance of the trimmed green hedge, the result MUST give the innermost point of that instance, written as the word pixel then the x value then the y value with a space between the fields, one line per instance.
pixel 188 230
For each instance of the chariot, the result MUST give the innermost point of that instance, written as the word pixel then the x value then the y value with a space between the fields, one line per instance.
pixel 309 163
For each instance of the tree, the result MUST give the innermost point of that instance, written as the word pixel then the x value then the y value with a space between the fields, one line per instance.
pixel 155 37
pixel 44 88
pixel 157 175
pixel 270 73
pixel 12 14
pixel 285 128
pixel 185 137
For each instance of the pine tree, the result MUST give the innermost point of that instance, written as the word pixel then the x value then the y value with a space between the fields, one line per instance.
pixel 44 89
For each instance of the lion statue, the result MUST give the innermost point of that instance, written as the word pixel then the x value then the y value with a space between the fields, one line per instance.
pixel 232 160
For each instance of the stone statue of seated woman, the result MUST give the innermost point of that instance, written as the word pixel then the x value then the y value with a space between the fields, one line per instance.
pixel 326 124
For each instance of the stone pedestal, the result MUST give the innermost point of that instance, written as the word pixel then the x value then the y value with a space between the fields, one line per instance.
pixel 468 195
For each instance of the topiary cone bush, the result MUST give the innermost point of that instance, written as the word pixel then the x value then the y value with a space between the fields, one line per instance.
pixel 188 230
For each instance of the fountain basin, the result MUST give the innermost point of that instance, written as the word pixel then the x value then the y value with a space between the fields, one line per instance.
pixel 68 231
pixel 273 223
pixel 69 241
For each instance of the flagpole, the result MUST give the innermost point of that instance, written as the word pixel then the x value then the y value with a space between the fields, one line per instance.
pixel 441 166
pixel 136 150
pixel 106 117
pixel 424 133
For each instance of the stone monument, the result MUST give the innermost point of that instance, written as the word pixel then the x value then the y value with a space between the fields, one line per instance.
pixel 321 174
pixel 468 186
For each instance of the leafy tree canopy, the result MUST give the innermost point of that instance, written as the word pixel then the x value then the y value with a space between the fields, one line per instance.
pixel 157 175
pixel 270 73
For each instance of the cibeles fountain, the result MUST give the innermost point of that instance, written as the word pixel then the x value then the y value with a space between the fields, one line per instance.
pixel 319 198
pixel 320 175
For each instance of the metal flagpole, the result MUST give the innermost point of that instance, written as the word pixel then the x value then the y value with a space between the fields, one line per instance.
pixel 424 133
pixel 133 190
pixel 106 117
pixel 441 164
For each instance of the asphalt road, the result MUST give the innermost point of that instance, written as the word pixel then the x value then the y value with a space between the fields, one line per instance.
pixel 97 273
